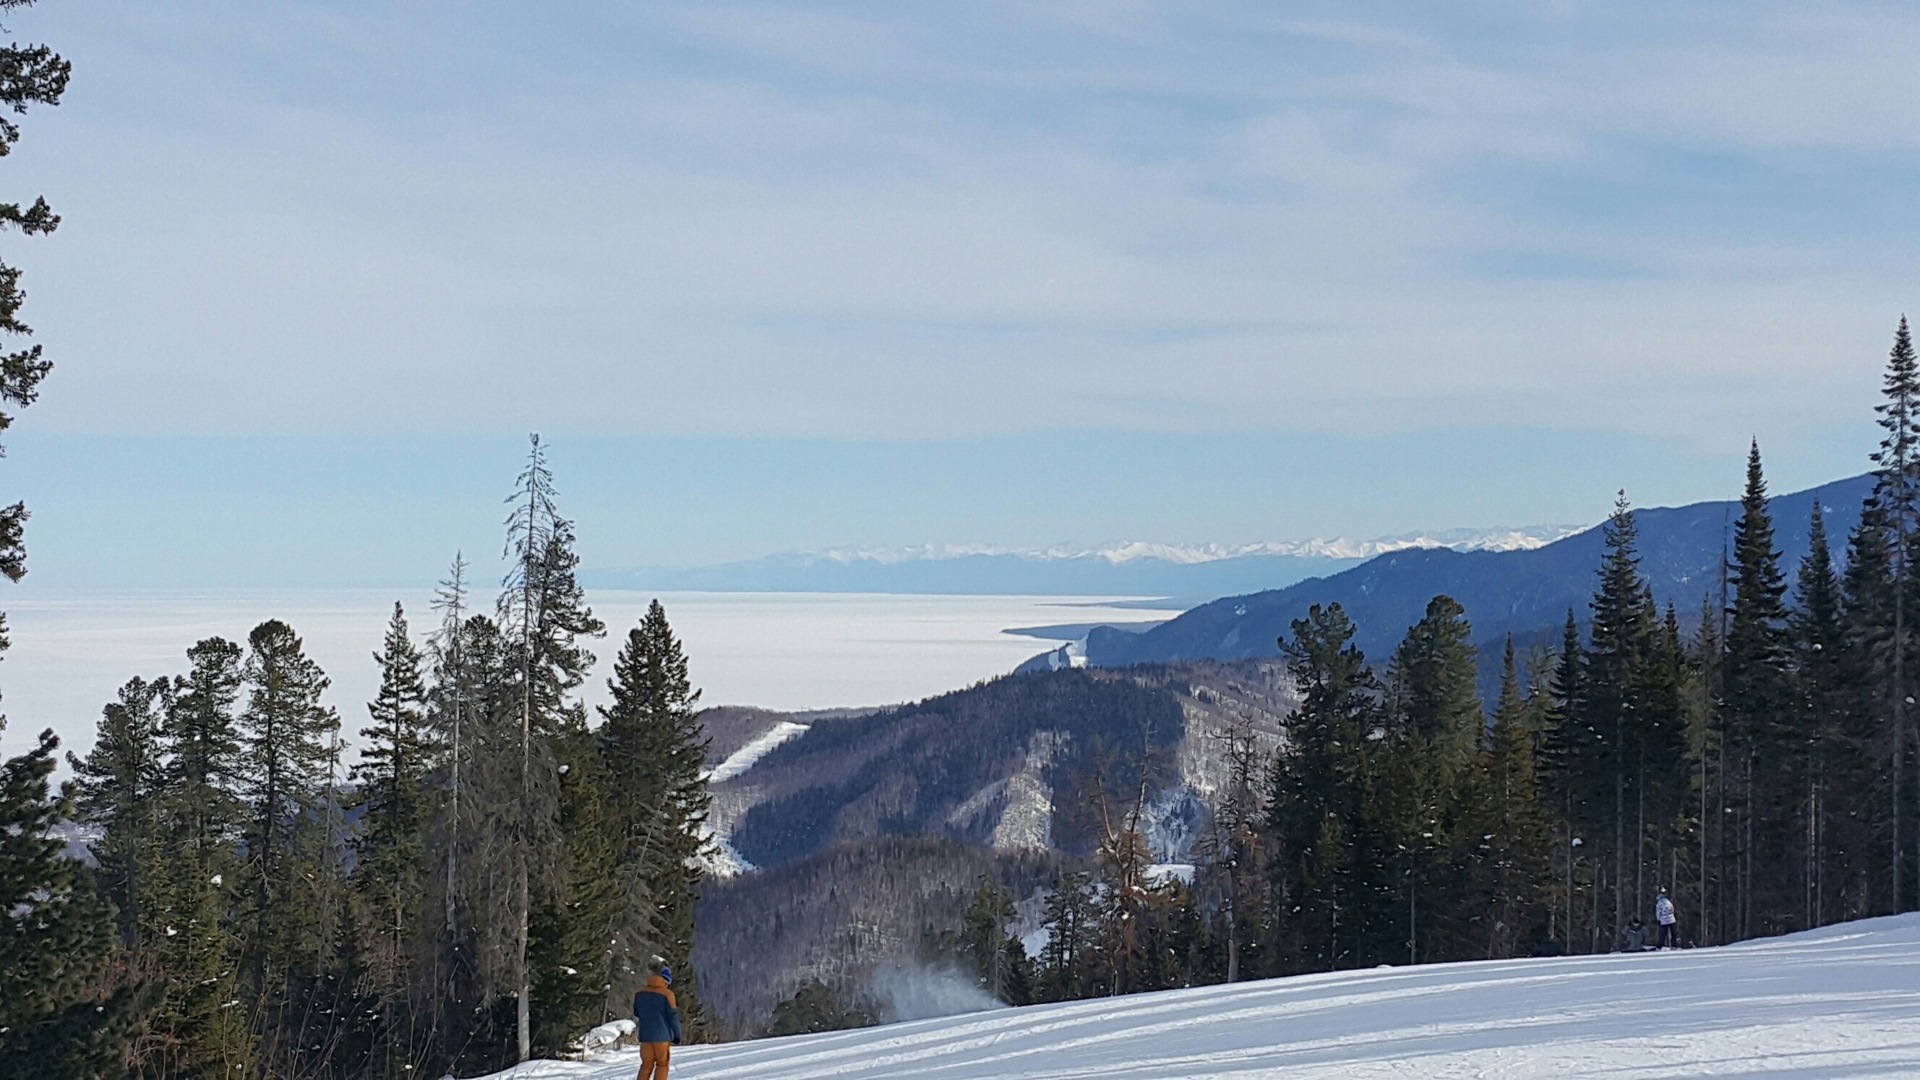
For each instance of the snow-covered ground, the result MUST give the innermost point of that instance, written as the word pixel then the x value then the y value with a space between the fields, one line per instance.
pixel 1838 1002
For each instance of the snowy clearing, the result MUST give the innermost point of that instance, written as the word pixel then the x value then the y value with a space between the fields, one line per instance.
pixel 748 756
pixel 1839 1002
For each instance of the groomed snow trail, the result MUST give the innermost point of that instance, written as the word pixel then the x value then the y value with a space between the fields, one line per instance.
pixel 748 756
pixel 1839 1002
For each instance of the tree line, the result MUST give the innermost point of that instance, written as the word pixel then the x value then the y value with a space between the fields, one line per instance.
pixel 490 879
pixel 1755 758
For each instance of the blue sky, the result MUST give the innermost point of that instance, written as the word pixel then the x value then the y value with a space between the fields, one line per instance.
pixel 776 276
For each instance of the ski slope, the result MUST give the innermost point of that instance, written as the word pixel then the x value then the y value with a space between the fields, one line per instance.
pixel 1839 1002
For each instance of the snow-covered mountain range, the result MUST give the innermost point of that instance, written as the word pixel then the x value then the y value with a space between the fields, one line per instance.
pixel 1124 568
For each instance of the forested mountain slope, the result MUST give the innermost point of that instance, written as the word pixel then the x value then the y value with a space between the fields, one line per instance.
pixel 1521 592
pixel 860 832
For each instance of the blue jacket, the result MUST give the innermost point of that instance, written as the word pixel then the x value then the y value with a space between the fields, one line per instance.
pixel 1663 911
pixel 655 1018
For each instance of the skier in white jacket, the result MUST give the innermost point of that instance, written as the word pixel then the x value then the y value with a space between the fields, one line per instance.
pixel 1663 914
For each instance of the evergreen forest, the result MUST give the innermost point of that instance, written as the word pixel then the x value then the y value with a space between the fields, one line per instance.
pixel 1754 756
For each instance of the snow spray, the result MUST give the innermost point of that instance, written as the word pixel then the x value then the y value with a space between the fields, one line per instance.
pixel 916 993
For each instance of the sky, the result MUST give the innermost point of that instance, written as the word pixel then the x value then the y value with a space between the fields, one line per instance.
pixel 775 277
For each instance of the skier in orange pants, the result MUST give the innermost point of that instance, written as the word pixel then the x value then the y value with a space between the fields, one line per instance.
pixel 656 1018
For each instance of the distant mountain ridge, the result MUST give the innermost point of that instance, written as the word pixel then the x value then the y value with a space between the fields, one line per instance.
pixel 1526 592
pixel 1134 568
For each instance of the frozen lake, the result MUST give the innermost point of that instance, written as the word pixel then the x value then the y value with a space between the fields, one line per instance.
pixel 779 650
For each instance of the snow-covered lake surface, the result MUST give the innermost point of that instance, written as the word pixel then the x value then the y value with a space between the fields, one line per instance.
pixel 1838 1002
pixel 777 650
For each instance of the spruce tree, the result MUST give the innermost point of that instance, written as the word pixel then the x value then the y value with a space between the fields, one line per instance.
pixel 1756 695
pixel 1868 604
pixel 1604 730
pixel 1897 491
pixel 654 751
pixel 1707 747
pixel 1514 874
pixel 1561 743
pixel 1821 726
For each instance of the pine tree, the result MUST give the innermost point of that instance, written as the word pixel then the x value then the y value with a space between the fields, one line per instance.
pixel 390 856
pixel 35 75
pixel 654 751
pixel 118 789
pixel 1328 854
pixel 286 747
pixel 199 1029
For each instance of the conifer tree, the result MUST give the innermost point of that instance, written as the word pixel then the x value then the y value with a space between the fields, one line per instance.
pixel 545 613
pixel 1069 962
pixel 59 1015
pixel 1868 604
pixel 286 748
pixel 1434 737
pixel 654 751
pixel 291 923
pixel 35 75
pixel 390 856
pixel 984 938
pixel 1756 690
pixel 1329 855
pixel 199 1028
pixel 1897 491
pixel 1560 742
pixel 1821 726
pixel 1515 872
pixel 118 788
pixel 1707 746
pixel 482 828
pixel 1232 846
pixel 1603 730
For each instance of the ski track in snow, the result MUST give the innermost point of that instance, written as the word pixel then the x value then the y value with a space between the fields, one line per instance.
pixel 1839 1002
pixel 749 755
